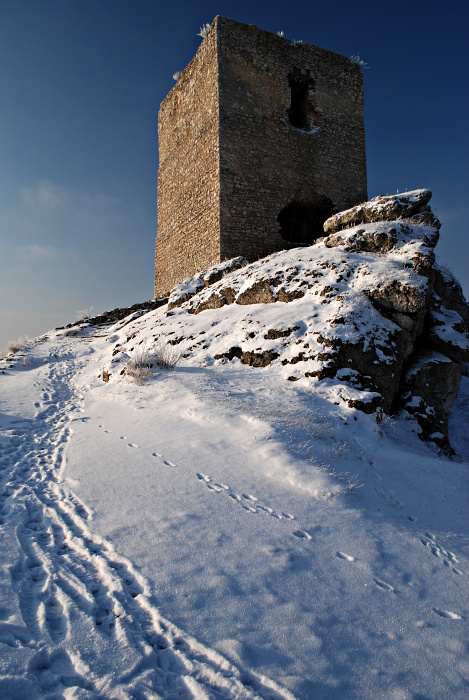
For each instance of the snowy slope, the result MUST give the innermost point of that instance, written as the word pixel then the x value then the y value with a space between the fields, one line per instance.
pixel 219 531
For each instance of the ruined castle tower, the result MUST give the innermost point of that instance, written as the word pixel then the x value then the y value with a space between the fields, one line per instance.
pixel 260 140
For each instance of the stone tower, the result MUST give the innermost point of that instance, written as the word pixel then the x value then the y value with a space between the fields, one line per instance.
pixel 260 140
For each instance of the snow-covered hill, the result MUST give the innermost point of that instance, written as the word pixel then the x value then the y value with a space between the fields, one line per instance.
pixel 220 530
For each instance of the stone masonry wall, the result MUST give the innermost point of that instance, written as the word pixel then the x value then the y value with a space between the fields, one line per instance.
pixel 230 158
pixel 265 161
pixel 188 173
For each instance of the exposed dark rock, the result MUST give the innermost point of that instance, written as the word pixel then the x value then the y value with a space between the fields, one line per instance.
pixel 254 359
pixel 262 292
pixel 273 333
pixel 451 295
pixel 115 315
pixel 235 351
pixel 214 301
pixel 258 359
pixel 429 389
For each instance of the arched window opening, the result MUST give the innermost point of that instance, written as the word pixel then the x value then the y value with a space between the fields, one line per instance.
pixel 301 223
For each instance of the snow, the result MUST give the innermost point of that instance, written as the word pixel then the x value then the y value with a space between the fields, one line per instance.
pixel 219 531
pixel 445 326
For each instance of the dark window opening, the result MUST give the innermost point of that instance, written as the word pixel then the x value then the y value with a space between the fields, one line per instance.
pixel 302 109
pixel 298 114
pixel 302 223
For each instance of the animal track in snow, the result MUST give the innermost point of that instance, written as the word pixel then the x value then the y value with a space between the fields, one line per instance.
pixel 166 462
pixel 247 501
pixel 382 584
pixel 449 559
pixel 342 555
pixel 447 614
pixel 133 445
pixel 303 534
pixel 389 496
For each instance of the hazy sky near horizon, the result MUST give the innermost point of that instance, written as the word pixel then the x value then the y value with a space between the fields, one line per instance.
pixel 80 86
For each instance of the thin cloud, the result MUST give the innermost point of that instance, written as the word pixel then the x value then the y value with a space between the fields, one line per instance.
pixel 33 253
pixel 43 194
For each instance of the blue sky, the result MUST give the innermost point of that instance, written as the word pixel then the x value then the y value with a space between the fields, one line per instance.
pixel 80 86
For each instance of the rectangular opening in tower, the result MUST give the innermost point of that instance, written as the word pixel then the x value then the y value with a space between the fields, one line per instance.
pixel 298 114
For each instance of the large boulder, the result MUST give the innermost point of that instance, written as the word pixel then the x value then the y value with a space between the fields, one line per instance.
pixel 380 208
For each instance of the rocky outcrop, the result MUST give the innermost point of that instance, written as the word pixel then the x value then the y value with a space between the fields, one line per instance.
pixel 363 317
pixel 389 327
pixel 384 208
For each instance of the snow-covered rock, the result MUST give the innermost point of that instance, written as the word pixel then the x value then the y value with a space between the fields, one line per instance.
pixel 190 286
pixel 383 208
pixel 350 316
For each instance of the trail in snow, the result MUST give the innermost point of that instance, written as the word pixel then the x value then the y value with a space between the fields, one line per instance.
pixel 228 491
pixel 78 599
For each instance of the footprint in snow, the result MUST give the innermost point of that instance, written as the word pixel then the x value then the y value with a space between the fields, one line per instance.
pixel 215 487
pixel 382 584
pixel 168 463
pixel 247 501
pixel 302 534
pixel 342 555
pixel 449 558
pixel 447 614
pixel 55 620
pixel 131 444
pixel 451 566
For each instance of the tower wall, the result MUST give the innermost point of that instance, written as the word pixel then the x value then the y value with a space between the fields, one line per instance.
pixel 188 173
pixel 265 161
pixel 260 140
